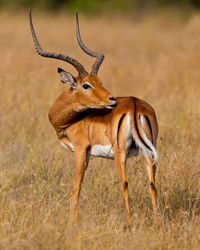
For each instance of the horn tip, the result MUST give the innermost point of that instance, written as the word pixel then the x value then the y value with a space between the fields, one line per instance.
pixel 77 17
pixel 30 16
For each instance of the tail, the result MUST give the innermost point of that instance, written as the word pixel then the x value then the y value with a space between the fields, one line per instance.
pixel 141 126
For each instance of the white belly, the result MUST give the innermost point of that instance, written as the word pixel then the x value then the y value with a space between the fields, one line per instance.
pixel 102 151
pixel 96 150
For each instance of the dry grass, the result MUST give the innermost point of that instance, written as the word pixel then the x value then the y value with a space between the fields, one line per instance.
pixel 155 58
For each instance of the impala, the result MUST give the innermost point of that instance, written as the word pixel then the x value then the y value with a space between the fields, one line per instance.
pixel 89 121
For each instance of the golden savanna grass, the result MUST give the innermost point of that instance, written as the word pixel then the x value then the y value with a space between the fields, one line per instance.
pixel 155 57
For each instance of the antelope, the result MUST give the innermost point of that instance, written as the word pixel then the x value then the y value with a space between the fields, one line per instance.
pixel 90 121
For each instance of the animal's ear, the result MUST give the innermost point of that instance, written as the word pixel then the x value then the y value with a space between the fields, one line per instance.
pixel 67 78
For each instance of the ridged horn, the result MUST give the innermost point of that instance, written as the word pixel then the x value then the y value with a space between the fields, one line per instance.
pixel 99 56
pixel 79 67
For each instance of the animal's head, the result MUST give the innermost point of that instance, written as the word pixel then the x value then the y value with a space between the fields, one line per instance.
pixel 87 87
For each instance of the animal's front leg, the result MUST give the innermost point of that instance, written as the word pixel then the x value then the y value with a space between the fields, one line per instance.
pixel 120 158
pixel 81 162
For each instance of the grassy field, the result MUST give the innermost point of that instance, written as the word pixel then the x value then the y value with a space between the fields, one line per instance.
pixel 154 57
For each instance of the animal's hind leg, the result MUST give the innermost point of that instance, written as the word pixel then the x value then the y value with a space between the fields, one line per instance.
pixel 151 168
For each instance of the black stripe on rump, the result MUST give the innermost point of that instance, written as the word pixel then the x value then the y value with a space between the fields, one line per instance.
pixel 137 130
pixel 119 125
pixel 149 124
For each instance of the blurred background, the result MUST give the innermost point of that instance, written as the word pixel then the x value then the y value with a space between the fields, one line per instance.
pixel 98 5
pixel 152 51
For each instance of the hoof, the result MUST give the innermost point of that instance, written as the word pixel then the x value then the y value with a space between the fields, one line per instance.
pixel 127 228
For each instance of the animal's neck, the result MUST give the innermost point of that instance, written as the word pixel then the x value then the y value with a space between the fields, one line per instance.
pixel 65 112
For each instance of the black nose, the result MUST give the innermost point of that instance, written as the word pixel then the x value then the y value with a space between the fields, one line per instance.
pixel 112 99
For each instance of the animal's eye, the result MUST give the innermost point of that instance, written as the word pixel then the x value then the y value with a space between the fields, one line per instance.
pixel 86 86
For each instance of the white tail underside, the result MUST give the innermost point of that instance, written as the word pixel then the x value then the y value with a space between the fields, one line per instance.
pixel 146 152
